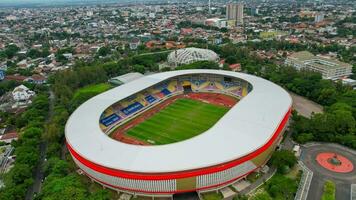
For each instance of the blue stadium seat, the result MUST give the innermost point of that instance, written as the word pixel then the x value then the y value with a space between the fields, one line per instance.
pixel 150 99
pixel 132 108
pixel 107 121
pixel 165 91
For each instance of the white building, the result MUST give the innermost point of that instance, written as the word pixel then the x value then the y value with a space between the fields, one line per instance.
pixel 11 18
pixel 22 93
pixel 327 67
pixel 217 22
pixel 152 15
pixel 319 17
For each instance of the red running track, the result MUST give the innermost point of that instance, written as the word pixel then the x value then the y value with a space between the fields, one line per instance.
pixel 345 166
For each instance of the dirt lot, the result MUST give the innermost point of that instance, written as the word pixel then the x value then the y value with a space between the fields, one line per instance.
pixel 304 106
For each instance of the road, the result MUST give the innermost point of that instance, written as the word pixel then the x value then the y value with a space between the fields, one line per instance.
pixel 38 173
pixel 342 181
pixel 152 53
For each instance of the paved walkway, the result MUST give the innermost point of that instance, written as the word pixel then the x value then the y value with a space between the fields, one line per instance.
pixel 259 182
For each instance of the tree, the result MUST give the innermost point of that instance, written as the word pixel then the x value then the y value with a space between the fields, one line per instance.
pixel 231 60
pixel 103 51
pixel 304 138
pixel 281 187
pixel 67 187
pixel 100 195
pixel 18 174
pixel 199 65
pixel 139 68
pixel 261 196
pixel 56 167
pixel 283 158
pixel 11 50
pixel 34 53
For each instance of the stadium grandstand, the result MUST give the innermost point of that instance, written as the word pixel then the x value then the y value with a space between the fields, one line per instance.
pixel 237 134
pixel 119 111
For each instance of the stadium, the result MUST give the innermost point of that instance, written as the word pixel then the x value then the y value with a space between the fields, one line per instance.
pixel 191 55
pixel 179 131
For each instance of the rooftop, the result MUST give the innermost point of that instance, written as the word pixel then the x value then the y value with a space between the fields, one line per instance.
pixel 320 61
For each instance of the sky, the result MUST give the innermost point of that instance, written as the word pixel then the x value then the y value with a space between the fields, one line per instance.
pixel 49 2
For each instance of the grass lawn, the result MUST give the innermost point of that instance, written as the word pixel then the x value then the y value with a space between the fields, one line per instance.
pixel 329 191
pixel 183 119
pixel 93 89
pixel 294 173
pixel 259 194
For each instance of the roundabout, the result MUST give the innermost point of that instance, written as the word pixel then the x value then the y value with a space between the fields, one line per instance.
pixel 334 162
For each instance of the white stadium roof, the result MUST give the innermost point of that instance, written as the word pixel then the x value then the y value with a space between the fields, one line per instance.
pixel 190 55
pixel 243 129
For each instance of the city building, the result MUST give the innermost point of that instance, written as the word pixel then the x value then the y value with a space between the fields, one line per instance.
pixel 235 12
pixel 327 67
pixel 126 78
pixel 319 17
pixel 240 13
pixel 254 11
pixel 22 93
pixel 135 42
pixel 217 22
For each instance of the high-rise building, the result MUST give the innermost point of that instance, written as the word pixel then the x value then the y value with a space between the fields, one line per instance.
pixel 240 13
pixel 254 11
pixel 235 11
pixel 319 17
pixel 231 11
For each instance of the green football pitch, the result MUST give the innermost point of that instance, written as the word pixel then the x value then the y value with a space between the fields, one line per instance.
pixel 181 120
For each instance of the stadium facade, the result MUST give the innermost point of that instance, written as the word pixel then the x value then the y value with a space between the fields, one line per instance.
pixel 241 142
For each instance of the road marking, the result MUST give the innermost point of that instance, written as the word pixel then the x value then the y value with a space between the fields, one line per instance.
pixel 353 191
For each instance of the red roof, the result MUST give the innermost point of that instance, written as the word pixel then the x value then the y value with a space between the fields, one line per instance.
pixel 185 31
pixel 18 78
pixel 236 66
pixel 11 135
pixel 37 77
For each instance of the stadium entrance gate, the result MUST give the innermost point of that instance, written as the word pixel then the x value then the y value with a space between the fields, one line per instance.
pixel 187 88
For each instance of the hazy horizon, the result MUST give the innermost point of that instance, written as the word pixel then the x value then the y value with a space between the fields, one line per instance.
pixel 63 2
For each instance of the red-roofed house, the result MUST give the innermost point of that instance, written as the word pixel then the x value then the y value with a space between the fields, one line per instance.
pixel 37 79
pixel 235 67
pixel 17 78
pixel 186 31
pixel 9 137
